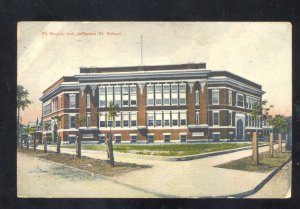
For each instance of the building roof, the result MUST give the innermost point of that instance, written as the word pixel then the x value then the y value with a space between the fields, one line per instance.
pixel 143 68
pixel 235 77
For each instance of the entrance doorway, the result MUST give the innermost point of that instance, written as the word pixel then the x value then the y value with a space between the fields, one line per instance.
pixel 239 130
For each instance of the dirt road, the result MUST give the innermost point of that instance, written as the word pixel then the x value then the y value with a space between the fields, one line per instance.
pixel 37 178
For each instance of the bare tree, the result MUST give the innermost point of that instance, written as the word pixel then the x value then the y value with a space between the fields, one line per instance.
pixel 257 110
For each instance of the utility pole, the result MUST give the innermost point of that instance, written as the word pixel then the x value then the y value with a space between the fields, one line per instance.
pixel 141 43
pixel 141 49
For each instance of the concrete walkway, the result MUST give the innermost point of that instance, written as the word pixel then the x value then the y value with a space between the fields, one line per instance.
pixel 279 186
pixel 195 178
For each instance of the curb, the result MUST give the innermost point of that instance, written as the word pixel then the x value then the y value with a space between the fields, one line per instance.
pixel 257 187
pixel 188 157
pixel 209 154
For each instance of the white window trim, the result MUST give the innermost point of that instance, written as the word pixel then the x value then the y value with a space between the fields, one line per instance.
pixel 216 111
pixel 179 93
pixel 70 101
pixel 147 86
pixel 88 100
pixel 212 97
pixel 236 100
pixel 230 98
pixel 72 115
pixel 230 112
pixel 197 97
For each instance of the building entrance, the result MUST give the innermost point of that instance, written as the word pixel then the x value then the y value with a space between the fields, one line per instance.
pixel 239 130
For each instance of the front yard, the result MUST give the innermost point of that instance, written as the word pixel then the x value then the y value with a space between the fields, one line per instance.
pixel 96 166
pixel 167 149
pixel 266 163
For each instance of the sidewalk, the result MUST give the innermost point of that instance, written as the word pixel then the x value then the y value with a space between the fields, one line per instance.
pixel 193 179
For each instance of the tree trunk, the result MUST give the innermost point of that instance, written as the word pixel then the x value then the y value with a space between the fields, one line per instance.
pixel 18 129
pixel 255 148
pixel 58 145
pixel 45 145
pixel 27 143
pixel 279 143
pixel 34 143
pixel 79 145
pixel 271 147
pixel 111 150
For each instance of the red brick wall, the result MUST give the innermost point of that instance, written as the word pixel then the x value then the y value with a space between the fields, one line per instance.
pixel 203 105
pixel 141 102
pixel 190 98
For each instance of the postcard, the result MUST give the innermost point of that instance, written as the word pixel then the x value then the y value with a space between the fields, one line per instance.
pixel 154 109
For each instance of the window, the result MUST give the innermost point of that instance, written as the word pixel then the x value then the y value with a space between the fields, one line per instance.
pixel 101 138
pixel 102 96
pixel 182 118
pixel 118 120
pixel 46 108
pixel 246 120
pixel 166 118
pixel 166 94
pixel 215 118
pixel 167 137
pixel 88 100
pixel 150 95
pixel 215 97
pixel 229 121
pixel 133 138
pixel 174 118
pixel 125 116
pixel 174 94
pixel 216 136
pixel 125 95
pixel 182 94
pixel 54 105
pixel 109 122
pixel 132 119
pixel 88 120
pixel 230 97
pixel 72 121
pixel 197 97
pixel 240 100
pixel 72 98
pixel 182 137
pixel 150 119
pixel 247 102
pixel 158 95
pixel 109 95
pixel 150 138
pixel 118 95
pixel 197 118
pixel 102 121
pixel 117 138
pixel 158 118
pixel 133 95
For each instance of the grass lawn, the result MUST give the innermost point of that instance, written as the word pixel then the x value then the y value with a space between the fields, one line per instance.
pixel 85 163
pixel 167 149
pixel 266 163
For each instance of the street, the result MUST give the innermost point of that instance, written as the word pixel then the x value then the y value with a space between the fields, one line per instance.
pixel 195 178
